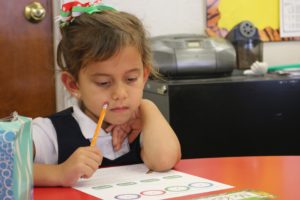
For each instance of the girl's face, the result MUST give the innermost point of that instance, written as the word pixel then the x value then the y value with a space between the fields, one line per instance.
pixel 119 81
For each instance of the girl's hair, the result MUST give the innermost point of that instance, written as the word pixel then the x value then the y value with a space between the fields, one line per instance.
pixel 99 36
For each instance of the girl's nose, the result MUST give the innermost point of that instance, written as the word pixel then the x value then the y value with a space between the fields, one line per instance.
pixel 119 92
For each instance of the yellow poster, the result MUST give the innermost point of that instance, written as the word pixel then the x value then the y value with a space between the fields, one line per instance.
pixel 261 13
pixel 223 15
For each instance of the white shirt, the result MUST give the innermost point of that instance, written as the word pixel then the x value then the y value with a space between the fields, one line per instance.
pixel 45 138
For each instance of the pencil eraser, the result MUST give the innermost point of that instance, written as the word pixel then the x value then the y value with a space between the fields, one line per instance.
pixel 105 105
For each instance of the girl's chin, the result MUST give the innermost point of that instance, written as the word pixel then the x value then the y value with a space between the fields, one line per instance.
pixel 118 121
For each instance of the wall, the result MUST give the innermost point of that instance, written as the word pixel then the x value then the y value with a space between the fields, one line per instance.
pixel 167 16
pixel 183 16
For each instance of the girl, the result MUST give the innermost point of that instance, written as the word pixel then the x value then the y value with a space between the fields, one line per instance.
pixel 105 58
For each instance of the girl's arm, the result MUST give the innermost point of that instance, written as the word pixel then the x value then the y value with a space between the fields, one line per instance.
pixel 46 175
pixel 82 163
pixel 160 145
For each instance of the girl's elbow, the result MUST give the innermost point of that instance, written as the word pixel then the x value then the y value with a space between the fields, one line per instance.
pixel 166 162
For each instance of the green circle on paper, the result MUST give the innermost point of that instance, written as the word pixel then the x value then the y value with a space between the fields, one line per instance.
pixel 100 187
pixel 150 180
pixel 172 177
pixel 126 183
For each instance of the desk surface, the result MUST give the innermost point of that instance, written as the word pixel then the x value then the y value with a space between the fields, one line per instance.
pixel 278 175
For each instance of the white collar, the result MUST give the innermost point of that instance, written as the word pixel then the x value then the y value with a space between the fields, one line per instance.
pixel 86 124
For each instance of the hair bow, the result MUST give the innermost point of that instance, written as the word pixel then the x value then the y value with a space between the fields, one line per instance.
pixel 72 9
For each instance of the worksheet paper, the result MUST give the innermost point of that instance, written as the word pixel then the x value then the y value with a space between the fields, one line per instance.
pixel 289 18
pixel 137 182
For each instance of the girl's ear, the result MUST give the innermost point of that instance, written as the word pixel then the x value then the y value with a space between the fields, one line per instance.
pixel 71 84
pixel 146 74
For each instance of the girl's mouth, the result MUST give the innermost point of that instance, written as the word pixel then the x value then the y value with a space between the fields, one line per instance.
pixel 119 109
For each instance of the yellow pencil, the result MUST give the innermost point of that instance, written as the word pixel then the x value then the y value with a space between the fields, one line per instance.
pixel 99 124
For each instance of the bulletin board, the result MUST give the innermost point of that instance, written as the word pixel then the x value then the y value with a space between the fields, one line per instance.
pixel 223 15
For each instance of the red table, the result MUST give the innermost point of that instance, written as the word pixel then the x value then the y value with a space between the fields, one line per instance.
pixel 278 175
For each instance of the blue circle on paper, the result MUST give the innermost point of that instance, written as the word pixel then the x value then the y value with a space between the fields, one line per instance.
pixel 9 136
pixel 9 192
pixel 3 165
pixel 5 173
pixel 4 146
pixel 9 151
pixel 8 182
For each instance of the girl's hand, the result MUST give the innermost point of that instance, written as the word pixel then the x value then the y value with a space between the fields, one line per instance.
pixel 130 129
pixel 82 163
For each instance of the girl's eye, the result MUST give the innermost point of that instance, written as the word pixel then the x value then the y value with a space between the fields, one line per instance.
pixel 131 79
pixel 103 84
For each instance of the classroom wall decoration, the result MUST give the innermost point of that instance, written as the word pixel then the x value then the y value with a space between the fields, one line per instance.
pixel 223 15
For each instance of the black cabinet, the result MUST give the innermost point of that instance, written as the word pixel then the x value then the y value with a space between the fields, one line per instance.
pixel 231 116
